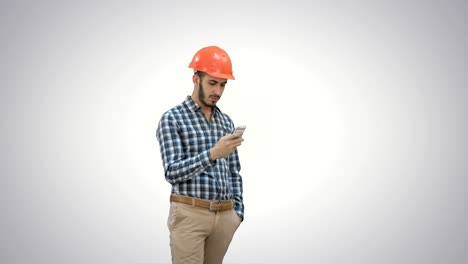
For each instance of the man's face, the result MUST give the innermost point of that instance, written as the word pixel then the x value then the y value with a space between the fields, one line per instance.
pixel 210 90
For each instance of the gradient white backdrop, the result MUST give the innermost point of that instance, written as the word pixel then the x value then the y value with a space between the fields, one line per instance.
pixel 355 149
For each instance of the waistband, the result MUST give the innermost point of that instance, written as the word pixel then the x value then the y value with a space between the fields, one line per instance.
pixel 212 205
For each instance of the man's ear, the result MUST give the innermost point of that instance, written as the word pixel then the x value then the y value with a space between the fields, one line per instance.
pixel 195 79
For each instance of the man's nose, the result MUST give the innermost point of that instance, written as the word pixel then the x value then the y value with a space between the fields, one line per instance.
pixel 218 88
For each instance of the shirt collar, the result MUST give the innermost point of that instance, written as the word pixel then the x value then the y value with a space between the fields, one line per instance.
pixel 194 107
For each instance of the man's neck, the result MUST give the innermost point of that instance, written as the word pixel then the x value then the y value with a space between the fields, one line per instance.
pixel 206 110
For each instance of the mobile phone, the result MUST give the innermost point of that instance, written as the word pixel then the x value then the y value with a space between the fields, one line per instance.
pixel 239 130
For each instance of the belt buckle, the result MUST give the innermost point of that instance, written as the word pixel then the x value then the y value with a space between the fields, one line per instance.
pixel 215 209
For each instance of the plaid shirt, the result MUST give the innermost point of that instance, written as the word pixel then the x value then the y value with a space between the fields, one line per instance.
pixel 185 138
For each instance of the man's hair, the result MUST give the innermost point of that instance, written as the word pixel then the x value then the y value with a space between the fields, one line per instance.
pixel 200 74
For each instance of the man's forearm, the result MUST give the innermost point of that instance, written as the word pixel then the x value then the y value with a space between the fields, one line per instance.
pixel 183 170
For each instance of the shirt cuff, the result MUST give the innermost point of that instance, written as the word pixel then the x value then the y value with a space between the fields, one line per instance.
pixel 241 216
pixel 206 159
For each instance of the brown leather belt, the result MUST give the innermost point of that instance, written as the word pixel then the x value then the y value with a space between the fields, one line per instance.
pixel 211 205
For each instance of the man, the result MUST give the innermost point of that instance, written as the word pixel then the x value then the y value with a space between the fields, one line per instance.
pixel 200 159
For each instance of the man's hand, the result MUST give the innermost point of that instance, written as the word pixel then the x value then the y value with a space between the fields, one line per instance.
pixel 225 146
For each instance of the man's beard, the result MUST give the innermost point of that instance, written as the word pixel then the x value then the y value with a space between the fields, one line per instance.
pixel 201 97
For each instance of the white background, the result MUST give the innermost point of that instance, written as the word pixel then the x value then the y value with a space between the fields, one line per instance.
pixel 355 149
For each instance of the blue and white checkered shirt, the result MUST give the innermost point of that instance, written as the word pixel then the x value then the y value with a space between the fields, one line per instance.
pixel 185 138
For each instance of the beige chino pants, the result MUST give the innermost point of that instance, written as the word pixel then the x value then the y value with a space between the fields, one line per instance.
pixel 198 236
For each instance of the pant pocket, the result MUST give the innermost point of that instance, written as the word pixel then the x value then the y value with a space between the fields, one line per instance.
pixel 174 216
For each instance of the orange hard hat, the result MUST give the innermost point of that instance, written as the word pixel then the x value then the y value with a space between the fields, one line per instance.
pixel 214 61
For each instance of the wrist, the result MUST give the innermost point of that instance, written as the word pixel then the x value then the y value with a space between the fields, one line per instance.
pixel 211 155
